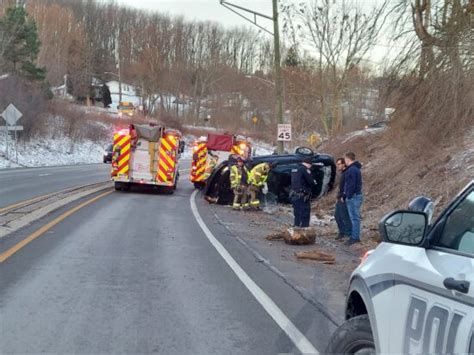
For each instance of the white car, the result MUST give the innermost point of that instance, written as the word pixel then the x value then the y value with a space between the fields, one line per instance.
pixel 415 292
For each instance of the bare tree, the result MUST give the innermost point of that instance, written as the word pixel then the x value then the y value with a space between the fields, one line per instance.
pixel 432 82
pixel 341 34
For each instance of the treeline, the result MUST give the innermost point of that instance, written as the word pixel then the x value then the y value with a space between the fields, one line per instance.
pixel 162 55
pixel 330 84
pixel 427 75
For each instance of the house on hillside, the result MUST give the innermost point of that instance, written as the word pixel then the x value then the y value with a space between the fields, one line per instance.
pixel 130 93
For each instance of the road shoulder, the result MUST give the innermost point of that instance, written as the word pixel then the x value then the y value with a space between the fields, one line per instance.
pixel 322 285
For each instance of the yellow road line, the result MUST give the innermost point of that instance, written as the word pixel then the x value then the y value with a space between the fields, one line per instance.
pixel 7 254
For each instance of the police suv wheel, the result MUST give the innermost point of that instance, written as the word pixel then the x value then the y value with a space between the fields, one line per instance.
pixel 354 336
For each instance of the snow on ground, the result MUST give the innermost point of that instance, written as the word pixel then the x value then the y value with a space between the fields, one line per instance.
pixel 51 152
pixel 202 128
pixel 99 109
pixel 262 148
pixel 363 132
pixel 62 151
pixel 465 158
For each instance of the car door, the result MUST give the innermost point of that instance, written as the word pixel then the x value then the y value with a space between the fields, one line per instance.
pixel 436 299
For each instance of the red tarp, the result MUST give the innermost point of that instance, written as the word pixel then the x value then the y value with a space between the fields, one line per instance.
pixel 222 142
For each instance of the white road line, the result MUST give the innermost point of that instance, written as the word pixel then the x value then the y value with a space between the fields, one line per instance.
pixel 298 338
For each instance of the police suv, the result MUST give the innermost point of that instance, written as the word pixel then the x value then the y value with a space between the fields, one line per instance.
pixel 415 292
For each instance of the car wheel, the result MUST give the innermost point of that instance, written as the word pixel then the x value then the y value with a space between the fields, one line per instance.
pixel 354 336
pixel 199 185
pixel 118 186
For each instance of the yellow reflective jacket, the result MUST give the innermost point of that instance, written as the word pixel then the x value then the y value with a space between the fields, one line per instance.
pixel 210 165
pixel 259 174
pixel 238 176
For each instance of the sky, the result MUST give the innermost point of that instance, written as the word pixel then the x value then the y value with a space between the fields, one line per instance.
pixel 204 9
pixel 211 10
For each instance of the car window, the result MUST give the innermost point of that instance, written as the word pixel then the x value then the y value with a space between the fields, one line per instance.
pixel 458 232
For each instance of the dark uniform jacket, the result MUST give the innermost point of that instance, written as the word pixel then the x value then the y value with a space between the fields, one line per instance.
pixel 302 181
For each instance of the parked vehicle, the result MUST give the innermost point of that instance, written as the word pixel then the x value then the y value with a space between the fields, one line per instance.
pixel 146 154
pixel 126 108
pixel 415 292
pixel 107 157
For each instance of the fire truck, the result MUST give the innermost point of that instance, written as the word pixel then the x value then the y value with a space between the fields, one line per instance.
pixel 146 154
pixel 211 150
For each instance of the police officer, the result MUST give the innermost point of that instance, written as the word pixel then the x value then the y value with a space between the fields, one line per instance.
pixel 302 183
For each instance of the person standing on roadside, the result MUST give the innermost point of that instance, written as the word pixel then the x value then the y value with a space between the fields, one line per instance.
pixel 353 194
pixel 341 215
pixel 302 183
pixel 239 184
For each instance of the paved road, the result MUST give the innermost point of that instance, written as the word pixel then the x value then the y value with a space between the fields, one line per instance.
pixel 21 184
pixel 134 273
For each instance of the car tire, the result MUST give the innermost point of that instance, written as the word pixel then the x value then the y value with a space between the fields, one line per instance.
pixel 199 185
pixel 169 190
pixel 118 186
pixel 353 336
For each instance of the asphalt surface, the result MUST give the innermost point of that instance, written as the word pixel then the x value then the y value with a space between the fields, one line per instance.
pixel 24 183
pixel 134 273
pixel 21 184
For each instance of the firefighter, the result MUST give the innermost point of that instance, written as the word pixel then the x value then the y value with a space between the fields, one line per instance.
pixel 238 183
pixel 211 164
pixel 257 181
pixel 302 183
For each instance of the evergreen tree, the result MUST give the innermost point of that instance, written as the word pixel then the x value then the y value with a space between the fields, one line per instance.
pixel 292 58
pixel 20 44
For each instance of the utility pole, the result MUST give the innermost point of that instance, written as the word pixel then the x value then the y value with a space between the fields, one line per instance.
pixel 277 58
pixel 277 66
pixel 119 67
pixel 120 80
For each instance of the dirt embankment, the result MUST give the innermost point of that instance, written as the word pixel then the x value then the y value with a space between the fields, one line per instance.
pixel 398 168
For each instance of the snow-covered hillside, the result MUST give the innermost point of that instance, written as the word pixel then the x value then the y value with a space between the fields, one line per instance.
pixel 51 152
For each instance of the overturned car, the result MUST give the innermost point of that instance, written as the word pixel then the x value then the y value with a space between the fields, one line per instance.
pixel 218 189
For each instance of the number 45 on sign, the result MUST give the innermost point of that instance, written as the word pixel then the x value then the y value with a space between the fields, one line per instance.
pixel 284 132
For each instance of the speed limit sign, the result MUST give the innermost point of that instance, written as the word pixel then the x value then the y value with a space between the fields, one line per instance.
pixel 284 132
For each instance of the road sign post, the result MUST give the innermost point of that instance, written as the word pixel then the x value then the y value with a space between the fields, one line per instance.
pixel 11 115
pixel 284 132
pixel 284 135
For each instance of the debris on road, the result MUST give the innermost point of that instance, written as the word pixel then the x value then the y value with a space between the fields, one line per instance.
pixel 274 236
pixel 316 255
pixel 295 236
pixel 300 236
